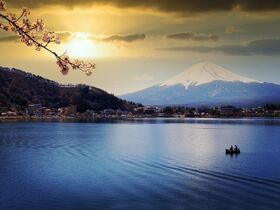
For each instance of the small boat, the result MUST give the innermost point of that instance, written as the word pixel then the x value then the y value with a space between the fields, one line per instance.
pixel 234 151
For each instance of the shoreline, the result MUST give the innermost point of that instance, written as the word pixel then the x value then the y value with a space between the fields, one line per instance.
pixel 125 119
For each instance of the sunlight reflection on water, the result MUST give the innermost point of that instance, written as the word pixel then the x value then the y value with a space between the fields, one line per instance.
pixel 148 164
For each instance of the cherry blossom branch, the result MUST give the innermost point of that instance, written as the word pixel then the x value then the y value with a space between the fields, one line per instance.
pixel 29 32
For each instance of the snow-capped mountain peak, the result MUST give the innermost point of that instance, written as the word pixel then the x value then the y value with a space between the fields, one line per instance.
pixel 207 84
pixel 203 73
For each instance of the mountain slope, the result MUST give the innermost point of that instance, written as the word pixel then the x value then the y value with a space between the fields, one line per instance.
pixel 18 89
pixel 208 84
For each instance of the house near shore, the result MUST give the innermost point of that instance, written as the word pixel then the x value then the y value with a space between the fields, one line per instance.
pixel 227 110
pixel 108 112
pixel 35 110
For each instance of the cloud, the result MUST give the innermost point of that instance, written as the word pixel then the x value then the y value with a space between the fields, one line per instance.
pixel 66 36
pixel 232 30
pixel 143 77
pixel 193 37
pixel 8 38
pixel 175 6
pixel 122 38
pixel 270 47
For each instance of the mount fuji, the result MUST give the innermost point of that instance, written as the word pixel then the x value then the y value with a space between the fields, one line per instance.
pixel 208 84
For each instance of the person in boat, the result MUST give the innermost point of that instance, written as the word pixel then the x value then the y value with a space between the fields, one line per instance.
pixel 235 148
pixel 231 148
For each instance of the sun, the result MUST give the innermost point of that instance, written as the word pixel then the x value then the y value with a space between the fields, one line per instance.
pixel 82 46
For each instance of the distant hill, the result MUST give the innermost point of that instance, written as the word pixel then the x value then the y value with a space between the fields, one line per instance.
pixel 18 89
pixel 208 84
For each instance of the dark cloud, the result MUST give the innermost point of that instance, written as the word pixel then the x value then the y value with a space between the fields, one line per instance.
pixel 123 38
pixel 8 38
pixel 256 47
pixel 193 37
pixel 177 6
pixel 66 36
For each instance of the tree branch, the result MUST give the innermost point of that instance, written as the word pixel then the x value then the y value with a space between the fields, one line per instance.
pixel 26 34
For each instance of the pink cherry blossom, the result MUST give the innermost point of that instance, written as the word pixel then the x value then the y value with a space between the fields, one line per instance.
pixel 34 34
pixel 39 25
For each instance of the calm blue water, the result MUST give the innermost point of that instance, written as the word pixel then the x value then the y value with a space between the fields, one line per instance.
pixel 146 164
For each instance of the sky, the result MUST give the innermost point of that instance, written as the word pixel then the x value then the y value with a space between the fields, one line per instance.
pixel 137 44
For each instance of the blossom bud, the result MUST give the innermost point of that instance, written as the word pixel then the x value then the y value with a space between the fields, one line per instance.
pixel 25 12
pixel 2 5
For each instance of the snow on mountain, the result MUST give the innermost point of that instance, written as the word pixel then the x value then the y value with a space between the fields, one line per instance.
pixel 207 84
pixel 203 73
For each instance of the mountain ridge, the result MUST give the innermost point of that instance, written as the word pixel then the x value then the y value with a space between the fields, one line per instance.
pixel 207 84
pixel 18 89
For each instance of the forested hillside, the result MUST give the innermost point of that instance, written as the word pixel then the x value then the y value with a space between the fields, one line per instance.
pixel 18 89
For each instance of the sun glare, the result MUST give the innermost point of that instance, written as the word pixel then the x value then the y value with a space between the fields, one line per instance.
pixel 82 46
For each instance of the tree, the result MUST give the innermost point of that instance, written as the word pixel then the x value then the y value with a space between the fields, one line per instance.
pixel 168 110
pixel 35 34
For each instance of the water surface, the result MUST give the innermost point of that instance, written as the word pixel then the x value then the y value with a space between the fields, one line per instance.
pixel 144 164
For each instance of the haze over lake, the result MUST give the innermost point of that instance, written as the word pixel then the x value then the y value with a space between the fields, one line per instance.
pixel 143 164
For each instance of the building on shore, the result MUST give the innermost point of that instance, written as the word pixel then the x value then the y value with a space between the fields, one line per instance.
pixel 35 110
pixel 227 110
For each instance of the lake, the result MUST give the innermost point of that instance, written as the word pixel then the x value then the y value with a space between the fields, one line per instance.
pixel 142 164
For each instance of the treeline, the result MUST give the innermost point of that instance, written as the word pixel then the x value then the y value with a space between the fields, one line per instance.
pixel 19 89
pixel 231 111
pixel 190 110
pixel 272 107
